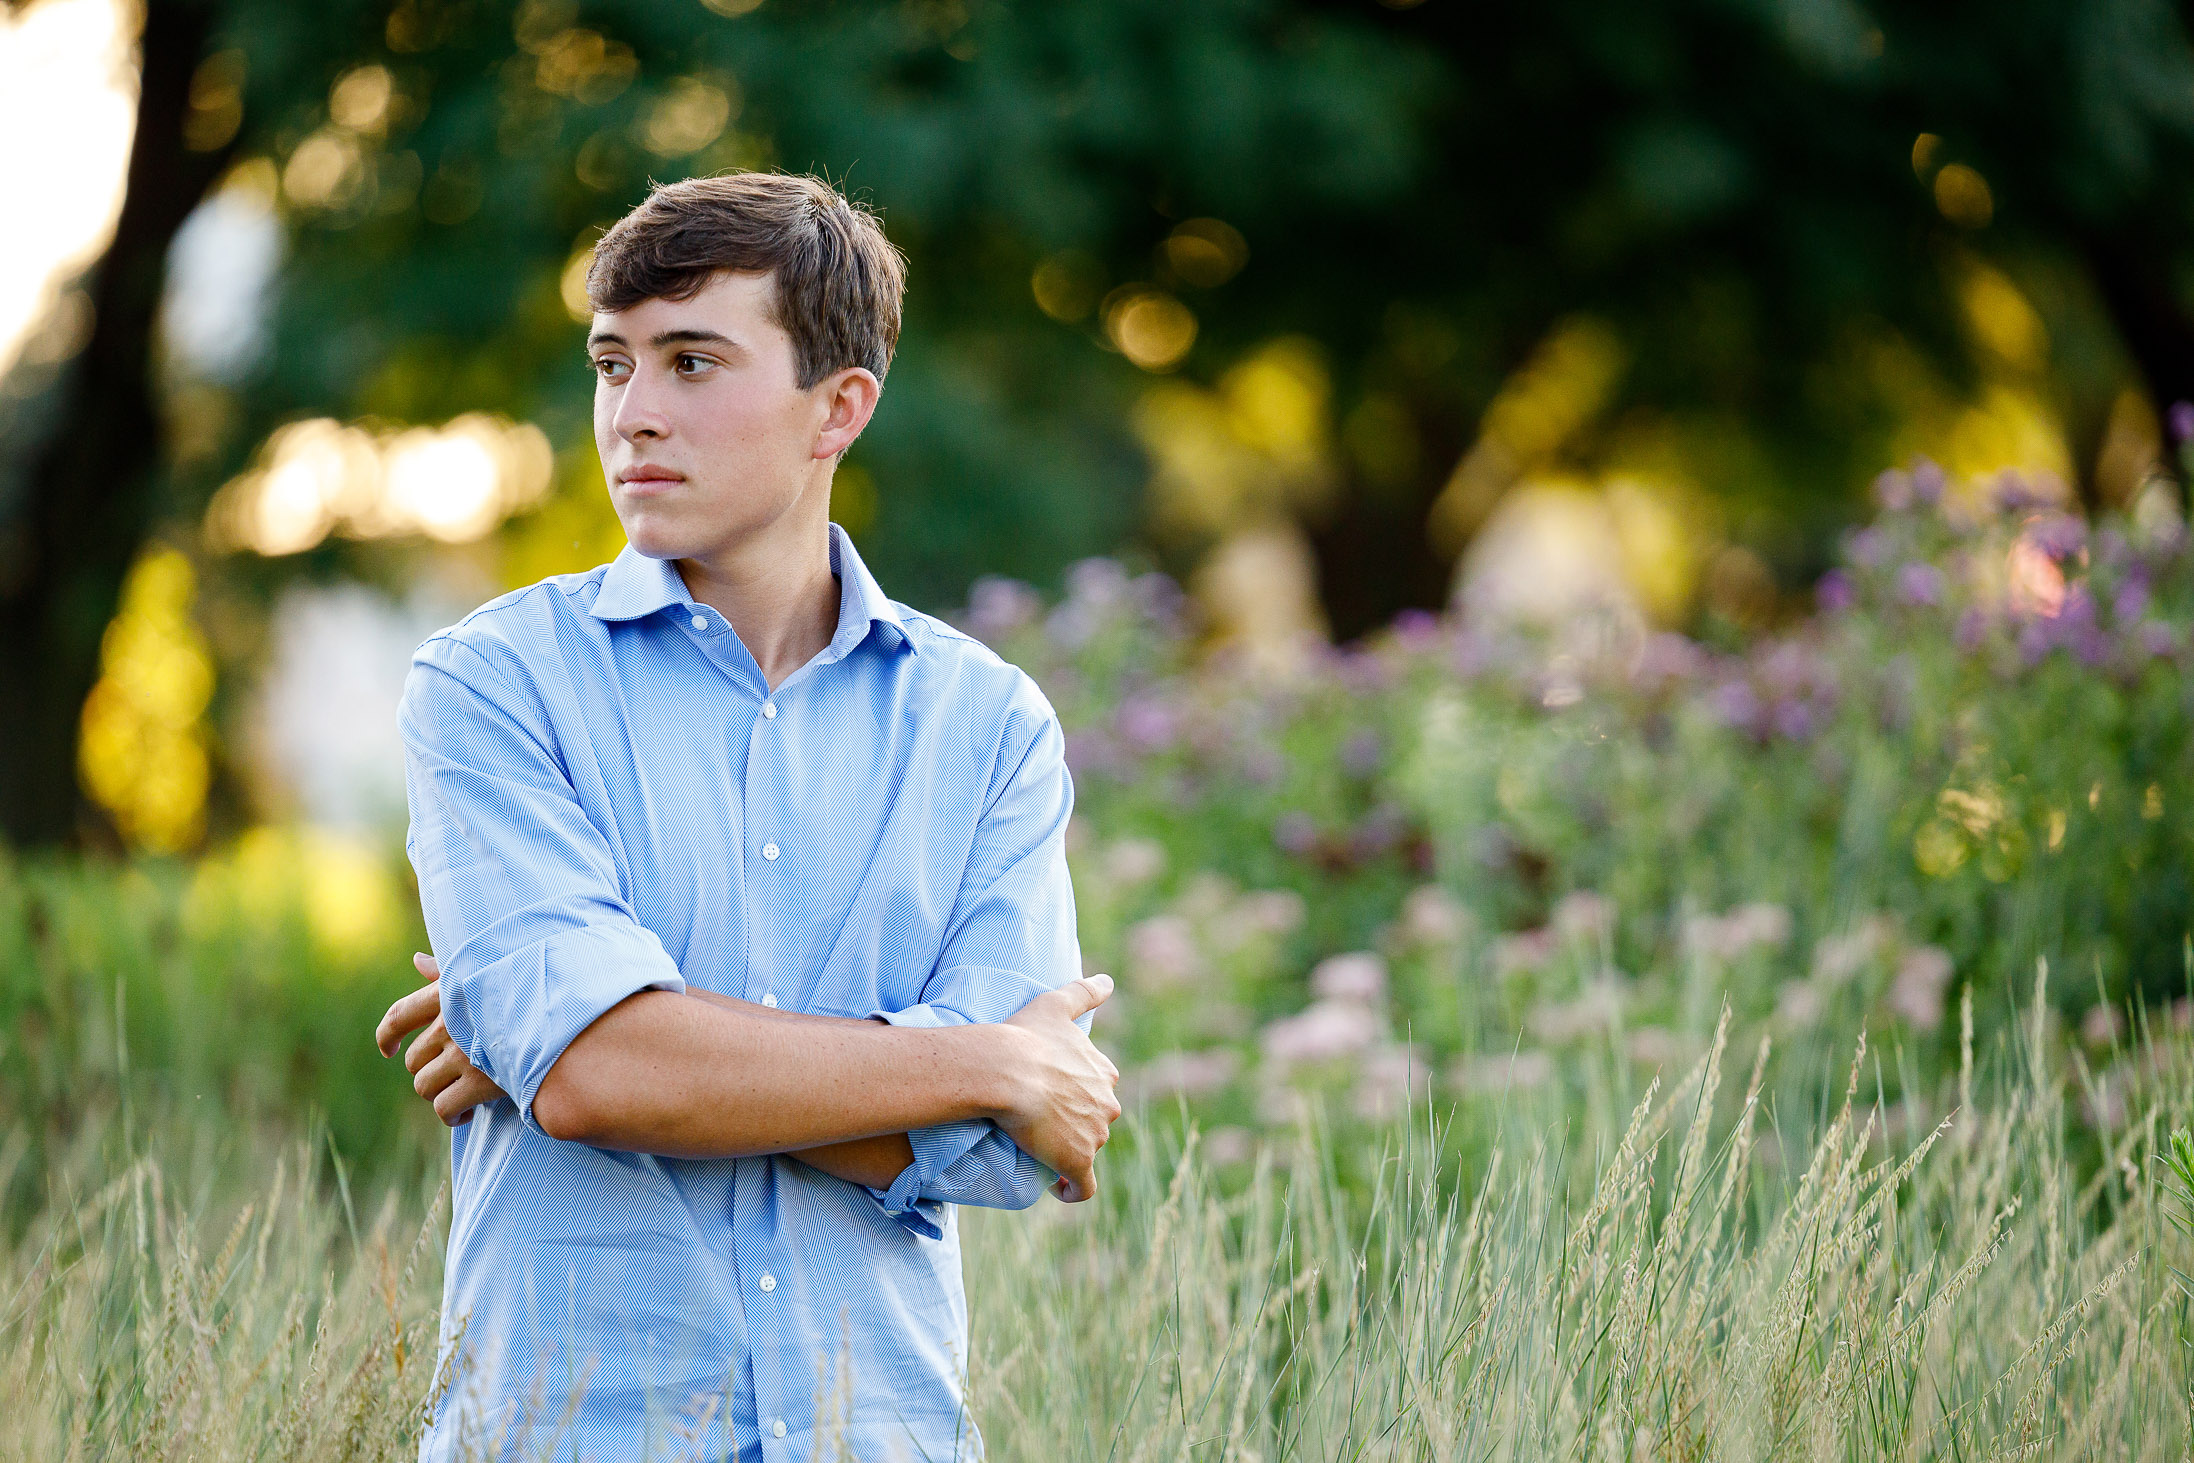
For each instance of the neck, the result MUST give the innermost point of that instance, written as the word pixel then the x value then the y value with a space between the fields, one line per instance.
pixel 776 590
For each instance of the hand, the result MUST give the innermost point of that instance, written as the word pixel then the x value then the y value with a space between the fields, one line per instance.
pixel 1066 1107
pixel 441 1072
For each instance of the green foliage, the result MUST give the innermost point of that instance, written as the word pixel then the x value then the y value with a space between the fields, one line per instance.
pixel 1735 193
pixel 148 990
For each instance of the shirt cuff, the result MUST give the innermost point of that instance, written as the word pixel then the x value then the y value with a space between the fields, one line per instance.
pixel 515 1016
pixel 935 1149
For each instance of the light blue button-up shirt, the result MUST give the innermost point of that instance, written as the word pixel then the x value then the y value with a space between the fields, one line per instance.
pixel 607 798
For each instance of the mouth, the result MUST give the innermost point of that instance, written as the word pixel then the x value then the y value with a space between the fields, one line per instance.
pixel 647 481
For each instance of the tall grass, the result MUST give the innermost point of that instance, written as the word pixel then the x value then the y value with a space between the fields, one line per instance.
pixel 1678 1284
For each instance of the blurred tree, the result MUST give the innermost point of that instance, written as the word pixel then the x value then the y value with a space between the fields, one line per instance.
pixel 1727 243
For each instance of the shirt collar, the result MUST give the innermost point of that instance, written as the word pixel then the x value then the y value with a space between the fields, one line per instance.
pixel 635 586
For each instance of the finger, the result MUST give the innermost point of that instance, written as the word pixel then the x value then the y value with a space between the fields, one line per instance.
pixel 1084 994
pixel 427 966
pixel 1079 1186
pixel 426 1046
pixel 407 1015
pixel 454 1103
pixel 440 1073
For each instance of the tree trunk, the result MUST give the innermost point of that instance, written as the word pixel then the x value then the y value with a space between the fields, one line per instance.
pixel 94 491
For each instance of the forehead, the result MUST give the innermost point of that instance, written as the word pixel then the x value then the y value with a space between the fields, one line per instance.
pixel 737 303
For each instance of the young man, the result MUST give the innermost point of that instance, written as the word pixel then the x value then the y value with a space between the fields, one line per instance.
pixel 757 948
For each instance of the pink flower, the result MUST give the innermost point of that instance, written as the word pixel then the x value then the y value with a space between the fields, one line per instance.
pixel 1134 861
pixel 1499 1072
pixel 1229 1145
pixel 1583 914
pixel 2102 1025
pixel 1729 936
pixel 1392 1078
pixel 1326 1030
pixel 1593 1011
pixel 1530 950
pixel 1182 1074
pixel 1917 991
pixel 1261 914
pixel 1162 952
pixel 1798 1003
pixel 1656 1046
pixel 1356 976
pixel 1840 957
pixel 1430 916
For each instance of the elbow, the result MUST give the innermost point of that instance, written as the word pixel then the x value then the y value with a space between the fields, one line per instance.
pixel 561 1107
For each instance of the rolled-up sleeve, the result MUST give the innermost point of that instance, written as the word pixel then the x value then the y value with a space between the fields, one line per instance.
pixel 1011 938
pixel 519 888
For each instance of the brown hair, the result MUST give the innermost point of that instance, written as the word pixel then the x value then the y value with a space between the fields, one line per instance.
pixel 839 280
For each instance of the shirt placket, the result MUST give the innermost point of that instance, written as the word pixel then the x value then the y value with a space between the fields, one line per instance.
pixel 771 848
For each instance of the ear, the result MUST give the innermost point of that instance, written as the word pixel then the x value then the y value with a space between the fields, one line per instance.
pixel 850 396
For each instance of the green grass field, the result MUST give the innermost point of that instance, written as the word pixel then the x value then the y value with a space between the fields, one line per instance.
pixel 1494 1282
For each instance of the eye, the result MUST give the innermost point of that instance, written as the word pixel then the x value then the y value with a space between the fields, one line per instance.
pixel 690 364
pixel 611 369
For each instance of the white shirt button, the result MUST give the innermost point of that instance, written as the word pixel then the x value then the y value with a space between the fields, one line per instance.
pixel 777 1428
pixel 769 851
pixel 770 1000
pixel 769 711
pixel 700 622
pixel 769 1283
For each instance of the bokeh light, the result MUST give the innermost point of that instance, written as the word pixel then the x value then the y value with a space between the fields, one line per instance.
pixel 1206 251
pixel 452 483
pixel 1149 327
pixel 142 749
pixel 71 62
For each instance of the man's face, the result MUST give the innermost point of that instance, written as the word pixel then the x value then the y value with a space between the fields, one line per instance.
pixel 706 438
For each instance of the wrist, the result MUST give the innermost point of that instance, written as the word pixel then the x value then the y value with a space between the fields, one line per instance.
pixel 990 1061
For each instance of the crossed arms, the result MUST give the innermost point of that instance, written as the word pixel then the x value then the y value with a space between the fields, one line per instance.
pixel 556 995
pixel 698 1075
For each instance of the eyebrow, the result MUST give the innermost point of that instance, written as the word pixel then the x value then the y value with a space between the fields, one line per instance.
pixel 667 337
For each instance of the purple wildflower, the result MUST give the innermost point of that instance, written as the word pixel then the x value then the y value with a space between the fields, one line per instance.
pixel 1147 723
pixel 1920 584
pixel 1737 705
pixel 1416 629
pixel 996 607
pixel 1381 829
pixel 1797 720
pixel 1927 482
pixel 1090 752
pixel 1893 490
pixel 2059 535
pixel 1295 833
pixel 2181 419
pixel 2132 600
pixel 1868 547
pixel 1362 752
pixel 1835 593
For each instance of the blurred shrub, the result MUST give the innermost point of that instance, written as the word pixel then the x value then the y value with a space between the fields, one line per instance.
pixel 247 985
pixel 1459 854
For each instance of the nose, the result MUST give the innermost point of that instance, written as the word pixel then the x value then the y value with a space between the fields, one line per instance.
pixel 636 415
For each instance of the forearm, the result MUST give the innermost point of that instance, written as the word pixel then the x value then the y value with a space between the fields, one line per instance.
pixel 873 1161
pixel 688 1077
